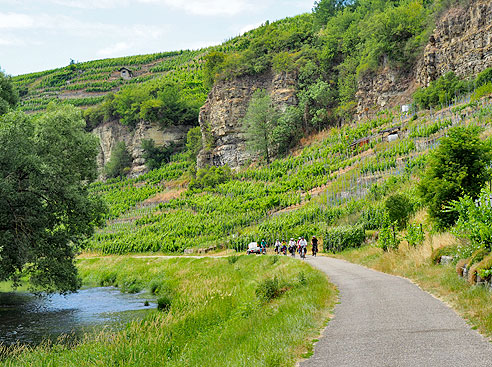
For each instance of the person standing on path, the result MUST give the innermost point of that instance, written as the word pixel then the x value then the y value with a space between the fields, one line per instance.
pixel 314 244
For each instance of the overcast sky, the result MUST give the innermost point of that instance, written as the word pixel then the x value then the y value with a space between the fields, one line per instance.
pixel 38 35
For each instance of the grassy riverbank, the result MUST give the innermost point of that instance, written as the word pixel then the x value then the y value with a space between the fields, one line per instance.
pixel 236 311
pixel 472 302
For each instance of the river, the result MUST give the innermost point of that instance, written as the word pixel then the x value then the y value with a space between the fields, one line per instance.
pixel 28 319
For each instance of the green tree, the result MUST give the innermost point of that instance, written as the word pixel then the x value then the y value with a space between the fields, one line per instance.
pixel 119 162
pixel 399 208
pixel 46 210
pixel 260 122
pixel 456 168
pixel 8 94
pixel 194 142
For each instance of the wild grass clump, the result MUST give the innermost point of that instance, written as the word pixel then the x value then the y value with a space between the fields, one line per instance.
pixel 213 314
pixel 268 289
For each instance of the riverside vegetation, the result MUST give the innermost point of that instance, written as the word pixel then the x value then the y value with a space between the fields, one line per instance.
pixel 236 311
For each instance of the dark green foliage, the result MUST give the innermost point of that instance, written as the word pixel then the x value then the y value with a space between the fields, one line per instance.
pixel 259 123
pixel 8 94
pixel 46 210
pixel 399 208
pixel 210 177
pixel 339 238
pixel 193 143
pixel 120 162
pixel 268 289
pixel 457 167
pixel 164 302
pixel 441 92
pixel 154 156
pixel 232 259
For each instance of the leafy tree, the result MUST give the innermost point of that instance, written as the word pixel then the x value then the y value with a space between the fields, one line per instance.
pixel 194 142
pixel 120 161
pixel 260 121
pixel 8 94
pixel 399 208
pixel 456 168
pixel 46 210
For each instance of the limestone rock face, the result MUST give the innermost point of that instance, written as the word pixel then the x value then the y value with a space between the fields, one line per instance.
pixel 221 116
pixel 461 42
pixel 112 132
pixel 383 89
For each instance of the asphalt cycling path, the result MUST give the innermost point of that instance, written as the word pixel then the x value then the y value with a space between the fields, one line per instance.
pixel 384 320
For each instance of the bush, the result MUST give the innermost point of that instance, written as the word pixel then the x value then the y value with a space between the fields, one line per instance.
pixel 457 167
pixel 441 91
pixel 415 234
pixel 210 177
pixel 399 208
pixel 389 237
pixel 164 302
pixel 339 238
pixel 268 289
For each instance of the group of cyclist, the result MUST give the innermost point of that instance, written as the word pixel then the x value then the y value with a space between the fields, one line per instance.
pixel 295 246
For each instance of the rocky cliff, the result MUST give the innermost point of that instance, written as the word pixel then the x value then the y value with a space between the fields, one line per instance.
pixel 461 42
pixel 220 117
pixel 112 132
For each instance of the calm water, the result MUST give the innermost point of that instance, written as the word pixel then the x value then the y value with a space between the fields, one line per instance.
pixel 28 319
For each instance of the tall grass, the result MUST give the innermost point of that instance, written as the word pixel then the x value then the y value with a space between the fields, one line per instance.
pixel 472 302
pixel 215 316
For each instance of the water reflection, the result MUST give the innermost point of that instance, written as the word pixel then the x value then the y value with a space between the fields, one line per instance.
pixel 28 319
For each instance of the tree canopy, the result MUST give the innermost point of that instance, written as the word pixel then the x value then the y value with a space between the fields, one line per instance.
pixel 45 206
pixel 8 94
pixel 456 168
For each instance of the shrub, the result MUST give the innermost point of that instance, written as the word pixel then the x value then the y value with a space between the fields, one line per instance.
pixel 415 234
pixel 339 238
pixel 389 237
pixel 441 91
pixel 232 259
pixel 457 167
pixel 399 208
pixel 268 289
pixel 164 302
pixel 474 223
pixel 210 177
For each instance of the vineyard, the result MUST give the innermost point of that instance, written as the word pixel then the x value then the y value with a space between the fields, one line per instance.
pixel 300 195
pixel 86 83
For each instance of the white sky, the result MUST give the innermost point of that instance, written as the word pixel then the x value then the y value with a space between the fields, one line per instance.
pixel 38 35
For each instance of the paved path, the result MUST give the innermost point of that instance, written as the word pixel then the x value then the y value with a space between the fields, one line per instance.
pixel 383 320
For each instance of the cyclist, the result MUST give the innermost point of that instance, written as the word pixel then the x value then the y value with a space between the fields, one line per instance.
pixel 314 243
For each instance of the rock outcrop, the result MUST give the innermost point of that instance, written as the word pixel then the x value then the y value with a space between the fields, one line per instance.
pixel 461 42
pixel 226 105
pixel 112 132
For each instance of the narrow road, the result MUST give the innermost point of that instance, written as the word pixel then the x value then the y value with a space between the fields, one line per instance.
pixel 383 320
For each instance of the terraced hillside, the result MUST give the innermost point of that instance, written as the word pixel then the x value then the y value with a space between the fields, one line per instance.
pixel 85 84
pixel 340 178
